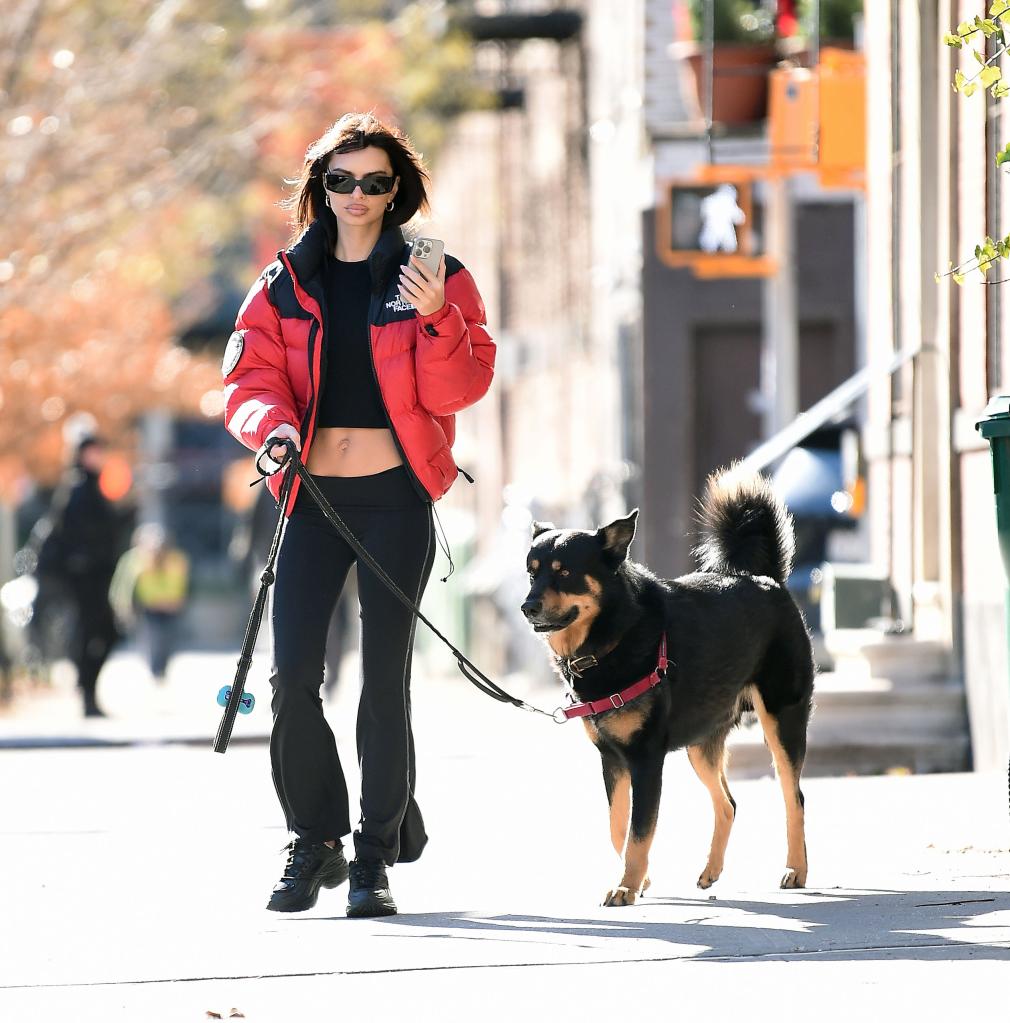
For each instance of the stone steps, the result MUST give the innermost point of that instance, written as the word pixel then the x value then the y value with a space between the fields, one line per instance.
pixel 867 654
pixel 749 757
pixel 891 704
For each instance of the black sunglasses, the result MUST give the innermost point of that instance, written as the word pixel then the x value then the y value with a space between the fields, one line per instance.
pixel 376 183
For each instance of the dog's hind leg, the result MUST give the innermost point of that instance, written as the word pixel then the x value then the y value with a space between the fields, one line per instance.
pixel 709 762
pixel 786 734
pixel 646 788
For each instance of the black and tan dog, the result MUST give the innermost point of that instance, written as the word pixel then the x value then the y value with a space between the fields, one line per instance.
pixel 735 641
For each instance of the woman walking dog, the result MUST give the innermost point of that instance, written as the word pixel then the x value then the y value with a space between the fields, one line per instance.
pixel 350 348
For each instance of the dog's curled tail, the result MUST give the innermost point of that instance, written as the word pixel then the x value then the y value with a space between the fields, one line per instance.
pixel 745 527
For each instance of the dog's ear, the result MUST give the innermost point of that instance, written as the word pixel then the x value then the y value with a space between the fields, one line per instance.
pixel 616 538
pixel 541 527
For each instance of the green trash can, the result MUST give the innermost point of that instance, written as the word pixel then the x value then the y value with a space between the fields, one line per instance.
pixel 995 427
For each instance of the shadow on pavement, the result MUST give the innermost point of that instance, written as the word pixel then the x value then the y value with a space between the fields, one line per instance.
pixel 833 926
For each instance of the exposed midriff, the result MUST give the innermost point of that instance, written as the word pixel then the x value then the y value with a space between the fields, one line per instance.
pixel 352 451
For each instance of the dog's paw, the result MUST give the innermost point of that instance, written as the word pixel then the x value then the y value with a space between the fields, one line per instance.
pixel 792 878
pixel 708 878
pixel 620 896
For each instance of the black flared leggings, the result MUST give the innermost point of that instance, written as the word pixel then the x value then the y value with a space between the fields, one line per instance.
pixel 394 525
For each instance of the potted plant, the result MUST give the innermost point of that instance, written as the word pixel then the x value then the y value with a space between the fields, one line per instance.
pixel 837 22
pixel 734 21
pixel 743 35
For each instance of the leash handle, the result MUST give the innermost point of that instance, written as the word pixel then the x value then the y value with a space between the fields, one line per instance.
pixel 290 451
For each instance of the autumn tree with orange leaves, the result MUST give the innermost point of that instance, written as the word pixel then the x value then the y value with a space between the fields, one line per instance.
pixel 140 143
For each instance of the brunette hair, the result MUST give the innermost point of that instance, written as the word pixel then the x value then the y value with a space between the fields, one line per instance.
pixel 352 132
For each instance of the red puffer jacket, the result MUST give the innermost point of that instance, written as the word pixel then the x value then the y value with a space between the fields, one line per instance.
pixel 428 367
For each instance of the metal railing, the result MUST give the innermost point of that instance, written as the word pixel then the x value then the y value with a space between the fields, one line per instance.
pixel 823 411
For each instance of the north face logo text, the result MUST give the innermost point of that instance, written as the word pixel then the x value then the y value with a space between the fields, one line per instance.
pixel 399 306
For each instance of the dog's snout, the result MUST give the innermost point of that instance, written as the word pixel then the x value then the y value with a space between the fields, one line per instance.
pixel 531 607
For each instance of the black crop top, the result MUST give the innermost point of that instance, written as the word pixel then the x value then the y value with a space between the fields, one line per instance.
pixel 350 391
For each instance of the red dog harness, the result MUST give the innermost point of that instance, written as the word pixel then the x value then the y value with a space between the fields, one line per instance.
pixel 617 700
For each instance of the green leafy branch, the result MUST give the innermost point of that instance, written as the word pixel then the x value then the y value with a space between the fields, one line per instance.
pixel 986 254
pixel 988 77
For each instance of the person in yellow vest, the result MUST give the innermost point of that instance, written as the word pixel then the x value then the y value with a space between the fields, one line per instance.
pixel 149 593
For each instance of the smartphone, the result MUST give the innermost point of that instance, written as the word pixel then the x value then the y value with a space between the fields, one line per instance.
pixel 428 251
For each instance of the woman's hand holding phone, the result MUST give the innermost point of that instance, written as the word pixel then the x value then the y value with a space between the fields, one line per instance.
pixel 422 289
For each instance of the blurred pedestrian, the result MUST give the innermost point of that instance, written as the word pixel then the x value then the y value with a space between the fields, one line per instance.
pixel 346 347
pixel 79 554
pixel 149 592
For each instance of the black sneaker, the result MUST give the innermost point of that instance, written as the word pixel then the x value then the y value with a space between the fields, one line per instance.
pixel 369 893
pixel 310 866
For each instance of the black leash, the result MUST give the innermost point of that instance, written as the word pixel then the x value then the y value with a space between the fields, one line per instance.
pixel 234 697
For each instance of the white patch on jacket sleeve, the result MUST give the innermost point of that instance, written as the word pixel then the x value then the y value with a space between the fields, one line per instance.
pixel 233 352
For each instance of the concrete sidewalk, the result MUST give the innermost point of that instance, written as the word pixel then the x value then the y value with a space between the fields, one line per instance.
pixel 136 878
pixel 182 709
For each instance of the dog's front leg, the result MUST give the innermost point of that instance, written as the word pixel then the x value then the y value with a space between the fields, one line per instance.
pixel 646 787
pixel 617 780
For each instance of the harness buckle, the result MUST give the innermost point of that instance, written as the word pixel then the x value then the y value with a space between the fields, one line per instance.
pixel 577 665
pixel 617 706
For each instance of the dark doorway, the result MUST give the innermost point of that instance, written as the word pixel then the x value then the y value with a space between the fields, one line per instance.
pixel 727 382
pixel 727 375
